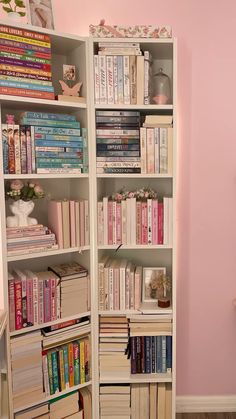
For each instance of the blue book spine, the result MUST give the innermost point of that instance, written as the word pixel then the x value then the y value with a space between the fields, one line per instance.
pixel 133 343
pixel 59 165
pixel 118 153
pixel 168 353
pixel 163 354
pixel 148 352
pixel 85 144
pixel 122 147
pixel 41 154
pixel 117 141
pixel 50 137
pixel 158 354
pixel 5 148
pixel 70 144
pixel 153 354
pixel 57 131
pixel 66 365
pixel 31 86
pixel 55 376
pixel 56 160
pixel 50 123
pixel 51 116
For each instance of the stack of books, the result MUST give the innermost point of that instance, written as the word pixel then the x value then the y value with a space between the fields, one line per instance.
pixel 151 401
pixel 156 139
pixel 26 365
pixel 70 222
pixel 120 284
pixel 115 401
pixel 122 74
pixel 75 289
pixel 135 222
pixel 30 239
pixel 150 345
pixel 113 340
pixel 118 142
pixel 34 298
pixel 25 63
pixel 66 407
pixel 68 364
pixel 41 411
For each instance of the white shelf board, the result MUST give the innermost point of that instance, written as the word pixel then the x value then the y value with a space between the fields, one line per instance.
pixel 54 396
pixel 48 176
pixel 135 175
pixel 42 325
pixel 134 40
pixel 20 101
pixel 117 312
pixel 136 378
pixel 138 107
pixel 135 246
pixel 45 254
pixel 146 308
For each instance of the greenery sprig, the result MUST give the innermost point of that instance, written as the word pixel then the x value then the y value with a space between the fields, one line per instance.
pixel 12 6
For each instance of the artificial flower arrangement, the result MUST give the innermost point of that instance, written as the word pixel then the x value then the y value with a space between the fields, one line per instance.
pixel 140 194
pixel 160 286
pixel 12 6
pixel 27 191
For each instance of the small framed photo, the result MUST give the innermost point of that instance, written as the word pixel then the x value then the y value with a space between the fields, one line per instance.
pixel 68 72
pixel 40 13
pixel 149 288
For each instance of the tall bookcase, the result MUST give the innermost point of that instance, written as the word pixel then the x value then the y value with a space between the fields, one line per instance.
pixel 70 49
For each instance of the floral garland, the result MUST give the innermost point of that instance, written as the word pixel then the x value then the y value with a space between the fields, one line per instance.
pixel 140 194
pixel 28 191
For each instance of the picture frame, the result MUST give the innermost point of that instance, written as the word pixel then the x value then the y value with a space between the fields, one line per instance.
pixel 40 13
pixel 148 274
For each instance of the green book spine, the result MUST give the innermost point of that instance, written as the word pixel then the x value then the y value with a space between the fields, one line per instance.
pixel 55 376
pixel 50 375
pixel 66 366
pixel 76 363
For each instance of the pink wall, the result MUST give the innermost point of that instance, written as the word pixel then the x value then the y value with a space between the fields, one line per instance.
pixel 205 30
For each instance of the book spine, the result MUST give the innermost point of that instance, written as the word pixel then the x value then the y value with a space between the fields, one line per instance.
pixel 17 55
pixel 23 80
pixel 47 301
pixel 118 223
pixel 149 221
pixel 35 299
pixel 126 80
pixel 25 40
pixel 12 305
pixel 58 298
pixel 150 150
pixel 29 298
pixel 153 353
pixel 115 77
pixel 40 301
pixel 24 33
pixel 71 364
pixel 143 149
pixel 28 149
pixel 86 222
pixel 110 227
pixel 120 73
pixel 158 354
pixel 23 150
pixel 61 369
pixel 55 376
pixel 133 80
pixel 160 222
pixel 33 158
pixel 66 366
pixel 138 356
pixel 26 93
pixel 102 80
pixel 138 223
pixel 25 46
pixel 85 148
pixel 76 363
pixel 156 150
pixel 147 354
pixel 45 374
pixel 163 150
pixel 123 222
pixel 5 148
pixel 50 372
pixel 53 299
pixel 87 359
pixel 110 80
pixel 163 354
pixel 133 342
pixel 82 360
pixel 56 131
pixel 96 79
pixel 51 123
pixel 64 144
pixel 24 85
pixel 11 149
pixel 154 221
pixel 144 235
pixel 168 354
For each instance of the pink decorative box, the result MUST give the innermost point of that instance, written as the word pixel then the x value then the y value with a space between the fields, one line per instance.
pixel 138 31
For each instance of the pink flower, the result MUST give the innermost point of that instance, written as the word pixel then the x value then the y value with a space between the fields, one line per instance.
pixel 146 194
pixel 118 197
pixel 38 190
pixel 16 185
pixel 131 195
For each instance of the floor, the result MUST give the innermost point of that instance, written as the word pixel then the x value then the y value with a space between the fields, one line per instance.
pixel 206 416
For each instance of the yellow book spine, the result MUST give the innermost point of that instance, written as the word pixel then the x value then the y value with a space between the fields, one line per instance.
pixel 25 40
pixel 82 361
pixel 25 70
pixel 62 374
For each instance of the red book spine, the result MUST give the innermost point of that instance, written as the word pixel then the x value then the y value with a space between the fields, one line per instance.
pixel 110 222
pixel 29 301
pixel 160 222
pixel 18 304
pixel 20 51
pixel 154 221
pixel 118 223
pixel 144 235
pixel 12 306
pixel 26 93
pixel 25 33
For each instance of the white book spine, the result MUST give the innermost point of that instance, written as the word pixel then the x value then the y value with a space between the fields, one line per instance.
pixel 96 80
pixel 156 150
pixel 163 150
pixel 120 73
pixel 126 80
pixel 86 222
pixel 143 149
pixel 111 288
pixel 150 150
pixel 105 220
pixel 149 220
pixel 166 220
pixel 147 76
pixel 110 80
pixel 131 164
pixel 100 224
pixel 133 80
pixel 122 288
pixel 106 288
pixel 101 286
pixel 45 376
pixel 115 76
pixel 102 80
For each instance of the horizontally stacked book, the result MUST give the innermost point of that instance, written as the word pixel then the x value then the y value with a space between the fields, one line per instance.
pixel 30 239
pixel 122 74
pixel 130 221
pixel 42 297
pixel 25 63
pixel 45 143
pixel 69 219
pixel 150 345
pixel 120 284
pixel 114 401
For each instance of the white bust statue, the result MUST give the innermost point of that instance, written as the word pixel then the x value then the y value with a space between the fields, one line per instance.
pixel 21 210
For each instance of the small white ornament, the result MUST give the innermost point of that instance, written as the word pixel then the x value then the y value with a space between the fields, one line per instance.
pixel 21 210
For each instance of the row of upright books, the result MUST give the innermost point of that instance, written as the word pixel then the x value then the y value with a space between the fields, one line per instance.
pixel 125 144
pixel 135 222
pixel 122 74
pixel 136 401
pixel 25 63
pixel 45 143
pixel 42 297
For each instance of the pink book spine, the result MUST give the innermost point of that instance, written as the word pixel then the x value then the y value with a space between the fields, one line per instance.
pixel 28 150
pixel 55 221
pixel 160 222
pixel 29 299
pixel 35 299
pixel 11 293
pixel 72 223
pixel 154 221
pixel 58 298
pixel 110 203
pixel 127 288
pixel 100 223
pixel 149 220
pixel 118 223
pixel 138 287
pixel 131 295
pixel 53 299
pixel 82 223
pixel 18 304
pixel 114 222
pixel 40 301
pixel 77 224
pixel 138 222
pixel 47 301
pixel 124 222
pixel 144 235
pixel 86 222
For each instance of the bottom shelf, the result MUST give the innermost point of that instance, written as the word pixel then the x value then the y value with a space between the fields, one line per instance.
pixel 137 378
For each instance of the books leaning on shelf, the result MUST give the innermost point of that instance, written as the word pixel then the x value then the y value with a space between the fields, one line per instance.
pixel 25 63
pixel 122 74
pixel 30 239
pixel 45 143
pixel 135 222
pixel 151 401
pixel 70 222
pixel 42 297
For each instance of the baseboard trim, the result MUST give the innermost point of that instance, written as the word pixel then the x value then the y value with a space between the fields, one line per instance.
pixel 198 404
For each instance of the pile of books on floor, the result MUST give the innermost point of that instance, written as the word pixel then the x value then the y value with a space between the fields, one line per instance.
pixel 26 364
pixel 150 345
pixel 151 401
pixel 25 63
pixel 66 358
pixel 117 142
pixel 122 74
pixel 69 220
pixel 30 239
pixel 113 340
pixel 74 286
pixel 120 284
pixel 115 401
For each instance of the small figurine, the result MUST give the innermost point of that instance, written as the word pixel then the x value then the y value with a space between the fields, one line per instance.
pixel 70 89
